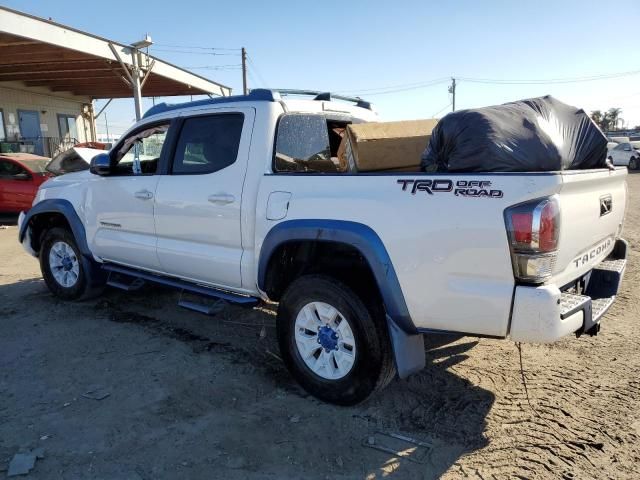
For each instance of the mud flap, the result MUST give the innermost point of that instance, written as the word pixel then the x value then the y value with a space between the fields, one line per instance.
pixel 408 350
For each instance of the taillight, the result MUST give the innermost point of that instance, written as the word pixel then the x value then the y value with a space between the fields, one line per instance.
pixel 533 229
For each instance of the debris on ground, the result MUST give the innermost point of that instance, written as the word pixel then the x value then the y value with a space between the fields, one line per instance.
pixel 97 393
pixel 294 419
pixel 401 446
pixel 23 463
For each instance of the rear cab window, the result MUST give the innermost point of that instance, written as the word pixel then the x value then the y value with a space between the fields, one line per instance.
pixel 308 143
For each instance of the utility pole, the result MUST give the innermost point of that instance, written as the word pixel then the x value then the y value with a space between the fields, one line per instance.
pixel 245 90
pixel 106 124
pixel 452 91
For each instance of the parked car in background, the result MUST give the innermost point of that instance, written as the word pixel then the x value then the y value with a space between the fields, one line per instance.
pixel 22 173
pixel 623 154
pixel 75 159
pixel 20 176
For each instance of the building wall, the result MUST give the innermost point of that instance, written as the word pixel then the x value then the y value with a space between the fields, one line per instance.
pixel 15 96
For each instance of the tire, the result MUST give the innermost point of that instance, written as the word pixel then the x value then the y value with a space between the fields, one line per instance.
pixel 633 164
pixel 64 269
pixel 356 364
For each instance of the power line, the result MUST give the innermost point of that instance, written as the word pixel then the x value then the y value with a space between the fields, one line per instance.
pixel 549 81
pixel 397 88
pixel 252 78
pixel 441 110
pixel 237 66
pixel 255 70
pixel 190 52
pixel 498 81
pixel 195 47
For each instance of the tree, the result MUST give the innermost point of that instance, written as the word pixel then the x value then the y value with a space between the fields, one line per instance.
pixel 608 120
pixel 614 116
pixel 596 116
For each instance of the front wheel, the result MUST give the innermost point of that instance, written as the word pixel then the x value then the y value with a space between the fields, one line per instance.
pixel 334 346
pixel 65 271
pixel 633 164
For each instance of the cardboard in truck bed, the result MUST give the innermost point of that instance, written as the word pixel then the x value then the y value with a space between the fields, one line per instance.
pixel 370 147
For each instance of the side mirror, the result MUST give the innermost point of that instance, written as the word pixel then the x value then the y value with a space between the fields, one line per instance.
pixel 101 164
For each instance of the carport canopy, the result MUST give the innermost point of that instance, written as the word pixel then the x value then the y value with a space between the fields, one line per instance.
pixel 42 53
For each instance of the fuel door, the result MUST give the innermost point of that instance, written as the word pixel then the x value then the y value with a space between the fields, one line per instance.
pixel 278 205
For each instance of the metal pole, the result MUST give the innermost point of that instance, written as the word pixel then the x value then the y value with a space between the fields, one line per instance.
pixel 106 124
pixel 244 72
pixel 92 122
pixel 137 89
pixel 452 89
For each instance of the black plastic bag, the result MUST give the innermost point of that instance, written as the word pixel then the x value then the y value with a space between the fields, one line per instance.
pixel 539 134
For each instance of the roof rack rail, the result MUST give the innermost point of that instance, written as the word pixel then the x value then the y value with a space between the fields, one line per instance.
pixel 257 94
pixel 326 96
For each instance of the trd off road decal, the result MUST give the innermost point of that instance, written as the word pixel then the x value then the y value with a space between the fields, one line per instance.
pixel 463 188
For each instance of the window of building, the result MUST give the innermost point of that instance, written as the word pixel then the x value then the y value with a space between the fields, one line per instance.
pixel 67 127
pixel 308 143
pixel 208 144
pixel 3 131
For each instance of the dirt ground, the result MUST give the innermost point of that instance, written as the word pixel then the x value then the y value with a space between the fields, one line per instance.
pixel 191 396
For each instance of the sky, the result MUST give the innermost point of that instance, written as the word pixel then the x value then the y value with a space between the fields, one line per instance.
pixel 399 55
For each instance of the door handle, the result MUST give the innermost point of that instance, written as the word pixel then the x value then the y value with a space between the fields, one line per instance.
pixel 221 198
pixel 143 194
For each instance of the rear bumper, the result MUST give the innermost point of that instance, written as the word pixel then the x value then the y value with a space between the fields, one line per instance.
pixel 544 314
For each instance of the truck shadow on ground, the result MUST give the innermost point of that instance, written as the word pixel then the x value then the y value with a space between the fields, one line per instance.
pixel 436 406
pixel 442 410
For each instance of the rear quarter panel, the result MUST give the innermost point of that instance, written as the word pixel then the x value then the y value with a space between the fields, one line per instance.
pixel 450 252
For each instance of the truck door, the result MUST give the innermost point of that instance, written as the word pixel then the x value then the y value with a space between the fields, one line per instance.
pixel 197 210
pixel 120 224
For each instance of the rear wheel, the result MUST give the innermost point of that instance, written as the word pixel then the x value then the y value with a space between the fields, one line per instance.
pixel 334 346
pixel 633 163
pixel 64 269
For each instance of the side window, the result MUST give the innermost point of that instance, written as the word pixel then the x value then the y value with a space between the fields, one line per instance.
pixel 302 144
pixel 207 144
pixel 140 153
pixel 620 146
pixel 9 170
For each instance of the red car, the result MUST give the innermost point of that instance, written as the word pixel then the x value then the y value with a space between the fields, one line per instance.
pixel 20 176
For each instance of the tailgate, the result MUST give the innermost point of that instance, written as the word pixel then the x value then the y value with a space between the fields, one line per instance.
pixel 592 207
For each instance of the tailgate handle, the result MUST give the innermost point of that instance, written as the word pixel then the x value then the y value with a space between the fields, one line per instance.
pixel 606 205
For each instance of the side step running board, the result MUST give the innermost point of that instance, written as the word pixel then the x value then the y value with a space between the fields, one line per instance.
pixel 118 281
pixel 208 309
pixel 181 285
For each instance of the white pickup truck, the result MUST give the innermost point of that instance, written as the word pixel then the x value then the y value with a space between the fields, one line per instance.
pixel 241 199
